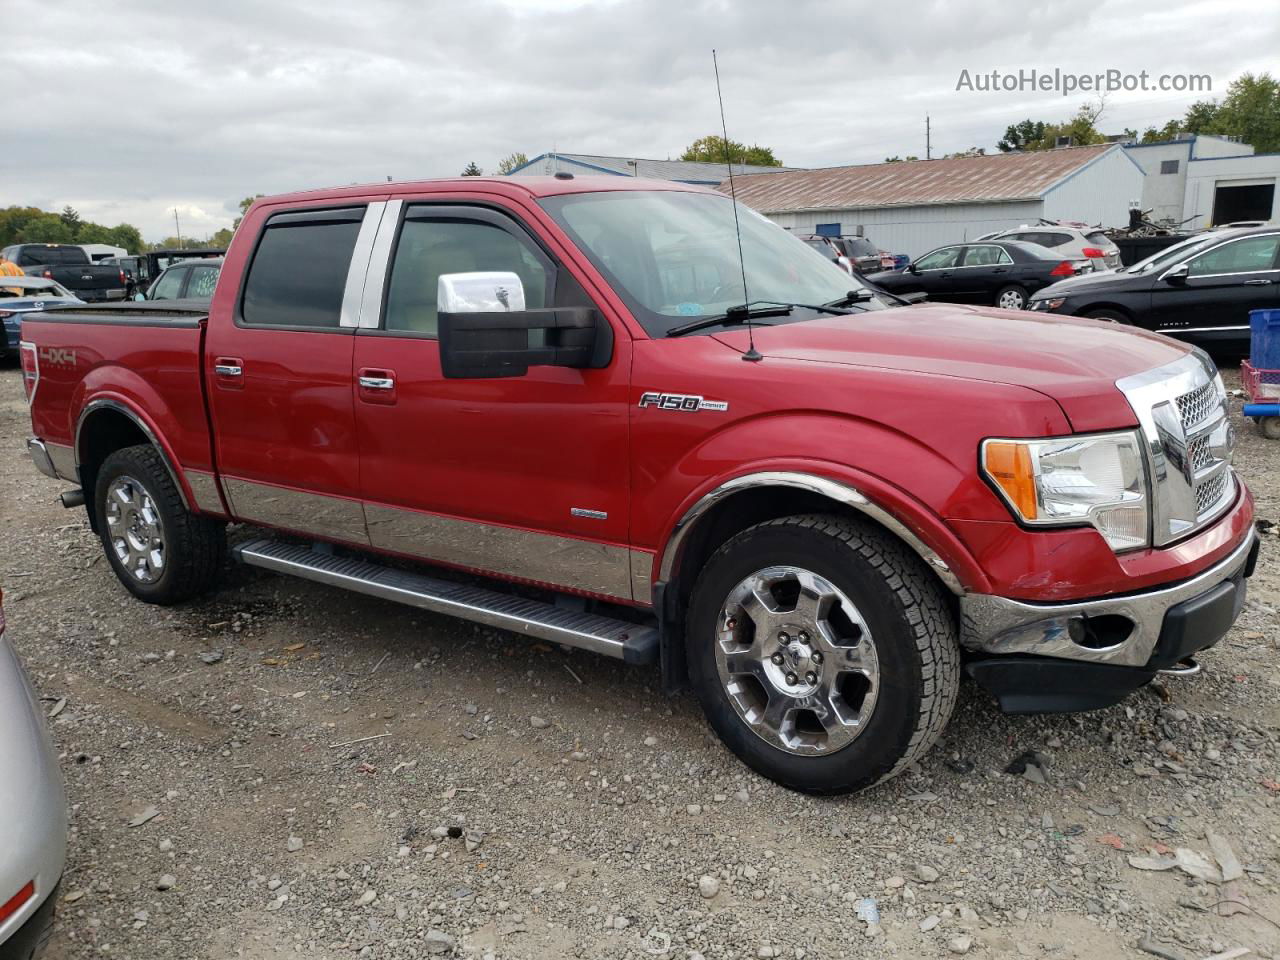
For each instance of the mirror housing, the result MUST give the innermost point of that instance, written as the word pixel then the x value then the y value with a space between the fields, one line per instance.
pixel 912 268
pixel 1178 275
pixel 486 332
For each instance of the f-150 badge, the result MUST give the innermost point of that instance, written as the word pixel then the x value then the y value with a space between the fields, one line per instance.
pixel 684 402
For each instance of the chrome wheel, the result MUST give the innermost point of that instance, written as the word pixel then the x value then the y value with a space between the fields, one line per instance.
pixel 1011 300
pixel 134 529
pixel 797 660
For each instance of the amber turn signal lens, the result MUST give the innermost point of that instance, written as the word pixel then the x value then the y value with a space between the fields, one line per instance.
pixel 1009 465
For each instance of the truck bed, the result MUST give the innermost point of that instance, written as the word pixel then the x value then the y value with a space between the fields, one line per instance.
pixel 144 356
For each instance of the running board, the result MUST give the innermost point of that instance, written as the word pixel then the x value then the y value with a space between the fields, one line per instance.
pixel 631 642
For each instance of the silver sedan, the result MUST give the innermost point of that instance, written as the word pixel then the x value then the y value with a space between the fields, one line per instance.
pixel 33 815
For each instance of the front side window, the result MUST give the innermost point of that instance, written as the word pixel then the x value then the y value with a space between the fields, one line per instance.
pixel 939 259
pixel 672 255
pixel 299 271
pixel 169 286
pixel 1250 255
pixel 430 247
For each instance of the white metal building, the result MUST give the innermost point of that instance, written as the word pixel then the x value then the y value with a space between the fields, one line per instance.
pixel 913 206
pixel 590 164
pixel 1207 181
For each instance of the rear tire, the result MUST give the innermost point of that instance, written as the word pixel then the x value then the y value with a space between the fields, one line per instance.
pixel 161 551
pixel 1012 297
pixel 867 675
pixel 1269 427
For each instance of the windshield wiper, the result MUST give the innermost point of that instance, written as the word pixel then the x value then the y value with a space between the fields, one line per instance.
pixel 744 313
pixel 851 298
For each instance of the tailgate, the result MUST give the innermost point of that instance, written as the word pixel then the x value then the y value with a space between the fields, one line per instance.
pixel 143 362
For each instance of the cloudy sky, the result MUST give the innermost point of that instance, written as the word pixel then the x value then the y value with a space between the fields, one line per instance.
pixel 130 109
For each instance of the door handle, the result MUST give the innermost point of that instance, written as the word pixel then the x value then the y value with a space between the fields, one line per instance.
pixel 377 383
pixel 1256 283
pixel 228 370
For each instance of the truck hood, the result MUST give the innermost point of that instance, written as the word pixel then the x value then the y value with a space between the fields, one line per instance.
pixel 1074 361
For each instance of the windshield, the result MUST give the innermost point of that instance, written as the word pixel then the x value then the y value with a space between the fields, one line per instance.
pixel 673 257
pixel 1169 255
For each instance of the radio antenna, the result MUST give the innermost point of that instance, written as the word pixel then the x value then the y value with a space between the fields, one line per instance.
pixel 752 355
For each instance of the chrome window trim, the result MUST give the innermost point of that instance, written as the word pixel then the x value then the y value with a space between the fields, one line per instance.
pixel 107 403
pixel 1217 246
pixel 358 269
pixel 831 489
pixel 379 266
pixel 1006 259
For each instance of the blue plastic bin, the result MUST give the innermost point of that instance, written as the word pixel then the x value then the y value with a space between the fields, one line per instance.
pixel 1264 329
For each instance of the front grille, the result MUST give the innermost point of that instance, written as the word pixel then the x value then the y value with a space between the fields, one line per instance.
pixel 1188 440
pixel 1198 405
pixel 1209 492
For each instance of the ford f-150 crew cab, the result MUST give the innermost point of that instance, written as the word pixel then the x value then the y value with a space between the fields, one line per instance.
pixel 597 426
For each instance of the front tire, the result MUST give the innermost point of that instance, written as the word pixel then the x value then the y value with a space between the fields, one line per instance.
pixel 823 653
pixel 162 552
pixel 1110 316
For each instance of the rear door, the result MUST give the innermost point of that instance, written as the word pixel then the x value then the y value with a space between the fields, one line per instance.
pixel 278 364
pixel 523 477
pixel 984 268
pixel 1222 285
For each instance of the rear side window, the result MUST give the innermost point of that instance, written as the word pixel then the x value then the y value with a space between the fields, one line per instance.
pixel 431 247
pixel 299 270
pixel 1099 238
pixel 1054 239
pixel 203 280
pixel 169 286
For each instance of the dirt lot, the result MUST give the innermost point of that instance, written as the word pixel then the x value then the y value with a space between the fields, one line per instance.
pixel 305 783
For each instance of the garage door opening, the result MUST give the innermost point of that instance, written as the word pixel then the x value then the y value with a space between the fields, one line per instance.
pixel 1253 202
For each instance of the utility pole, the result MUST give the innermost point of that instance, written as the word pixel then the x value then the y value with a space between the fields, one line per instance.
pixel 177 227
pixel 928 149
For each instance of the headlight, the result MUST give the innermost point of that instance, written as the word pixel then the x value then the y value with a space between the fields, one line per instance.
pixel 1053 303
pixel 1099 479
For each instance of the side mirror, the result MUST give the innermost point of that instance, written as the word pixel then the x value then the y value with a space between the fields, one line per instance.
pixel 485 332
pixel 1178 275
pixel 912 268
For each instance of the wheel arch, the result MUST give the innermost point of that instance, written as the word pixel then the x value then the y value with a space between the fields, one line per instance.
pixel 108 424
pixel 746 500
pixel 1106 305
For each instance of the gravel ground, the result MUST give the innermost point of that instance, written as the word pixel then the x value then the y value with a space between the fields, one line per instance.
pixel 356 778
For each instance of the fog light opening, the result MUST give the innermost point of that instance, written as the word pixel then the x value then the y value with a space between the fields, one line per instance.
pixel 1101 632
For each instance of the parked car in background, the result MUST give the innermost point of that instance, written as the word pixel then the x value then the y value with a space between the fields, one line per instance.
pixel 1071 242
pixel 71 267
pixel 142 269
pixel 186 280
pixel 851 253
pixel 22 295
pixel 817 542
pixel 1201 289
pixel 1002 273
pixel 33 813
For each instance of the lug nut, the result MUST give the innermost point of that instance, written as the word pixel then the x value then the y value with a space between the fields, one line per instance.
pixel 816 657
pixel 783 638
pixel 810 677
pixel 731 623
pixel 792 679
pixel 777 658
pixel 803 638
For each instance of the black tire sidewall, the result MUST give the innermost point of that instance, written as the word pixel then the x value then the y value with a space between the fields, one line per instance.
pixel 874 753
pixel 160 488
pixel 1109 316
pixel 1017 289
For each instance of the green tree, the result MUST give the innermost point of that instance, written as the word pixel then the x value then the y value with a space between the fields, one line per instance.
pixel 46 228
pixel 471 170
pixel 71 218
pixel 971 152
pixel 1201 117
pixel 510 162
pixel 221 238
pixel 897 159
pixel 245 204
pixel 126 235
pixel 1160 134
pixel 711 149
pixel 1018 135
pixel 1251 111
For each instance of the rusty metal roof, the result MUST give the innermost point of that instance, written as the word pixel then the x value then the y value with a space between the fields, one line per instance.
pixel 995 178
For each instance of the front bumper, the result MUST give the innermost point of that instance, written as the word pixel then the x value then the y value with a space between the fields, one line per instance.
pixel 1086 654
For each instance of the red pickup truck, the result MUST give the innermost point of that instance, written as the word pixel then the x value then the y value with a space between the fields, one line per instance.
pixel 811 503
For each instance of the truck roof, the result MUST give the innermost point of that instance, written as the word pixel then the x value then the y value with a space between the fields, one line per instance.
pixel 511 186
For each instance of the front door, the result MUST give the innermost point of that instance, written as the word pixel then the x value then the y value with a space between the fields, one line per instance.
pixel 937 273
pixel 278 364
pixel 1221 286
pixel 522 477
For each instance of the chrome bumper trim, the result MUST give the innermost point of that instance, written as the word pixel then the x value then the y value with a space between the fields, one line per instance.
pixel 999 625
pixel 39 454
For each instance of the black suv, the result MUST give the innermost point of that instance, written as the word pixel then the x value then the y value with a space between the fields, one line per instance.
pixel 1201 289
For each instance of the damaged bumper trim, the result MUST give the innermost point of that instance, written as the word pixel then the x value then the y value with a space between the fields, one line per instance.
pixel 1122 631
